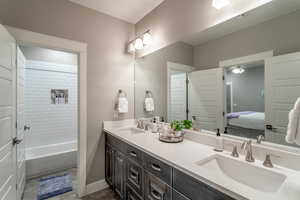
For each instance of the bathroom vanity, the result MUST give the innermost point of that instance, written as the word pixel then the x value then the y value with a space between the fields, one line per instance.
pixel 135 174
pixel 139 166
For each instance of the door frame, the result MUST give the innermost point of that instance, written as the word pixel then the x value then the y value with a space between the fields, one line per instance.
pixel 263 56
pixel 25 37
pixel 175 67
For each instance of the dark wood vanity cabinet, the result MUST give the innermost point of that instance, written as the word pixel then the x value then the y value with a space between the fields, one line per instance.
pixel 136 175
pixel 109 169
pixel 195 189
pixel 119 174
pixel 156 189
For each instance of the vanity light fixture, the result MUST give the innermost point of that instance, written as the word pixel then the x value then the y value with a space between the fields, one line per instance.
pixel 218 4
pixel 131 48
pixel 140 42
pixel 238 70
pixel 147 38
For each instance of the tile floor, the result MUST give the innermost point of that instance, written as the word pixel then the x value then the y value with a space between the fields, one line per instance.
pixel 31 187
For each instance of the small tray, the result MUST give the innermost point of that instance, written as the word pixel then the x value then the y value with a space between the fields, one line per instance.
pixel 171 139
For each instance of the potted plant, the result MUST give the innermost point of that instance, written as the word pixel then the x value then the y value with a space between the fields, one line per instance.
pixel 187 124
pixel 177 127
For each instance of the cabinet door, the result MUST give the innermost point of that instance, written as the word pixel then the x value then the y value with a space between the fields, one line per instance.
pixel 109 165
pixel 177 196
pixel 155 189
pixel 131 194
pixel 194 189
pixel 119 173
pixel 134 176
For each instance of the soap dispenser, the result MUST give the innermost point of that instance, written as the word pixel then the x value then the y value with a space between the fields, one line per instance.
pixel 219 142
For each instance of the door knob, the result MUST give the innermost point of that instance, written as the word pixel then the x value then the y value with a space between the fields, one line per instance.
pixel 26 128
pixel 16 141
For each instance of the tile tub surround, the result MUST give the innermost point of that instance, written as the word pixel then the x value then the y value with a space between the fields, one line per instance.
pixel 184 157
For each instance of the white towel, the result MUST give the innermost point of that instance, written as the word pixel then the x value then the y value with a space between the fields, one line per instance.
pixel 122 105
pixel 293 129
pixel 149 104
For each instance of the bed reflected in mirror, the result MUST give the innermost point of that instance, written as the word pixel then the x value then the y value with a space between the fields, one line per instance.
pixel 245 109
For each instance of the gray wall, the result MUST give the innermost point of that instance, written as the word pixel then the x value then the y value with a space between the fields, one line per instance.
pixel 49 55
pixel 151 74
pixel 280 34
pixel 109 68
pixel 247 89
pixel 174 20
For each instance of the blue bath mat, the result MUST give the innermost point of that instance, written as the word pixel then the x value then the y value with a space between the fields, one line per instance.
pixel 53 186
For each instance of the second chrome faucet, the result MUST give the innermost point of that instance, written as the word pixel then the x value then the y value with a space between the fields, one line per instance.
pixel 247 146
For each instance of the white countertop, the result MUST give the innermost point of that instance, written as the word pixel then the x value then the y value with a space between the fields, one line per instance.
pixel 184 157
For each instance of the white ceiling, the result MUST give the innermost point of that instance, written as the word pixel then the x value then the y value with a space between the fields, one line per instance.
pixel 129 10
pixel 259 15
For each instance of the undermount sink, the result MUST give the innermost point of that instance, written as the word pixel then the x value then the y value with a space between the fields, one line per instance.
pixel 256 177
pixel 132 130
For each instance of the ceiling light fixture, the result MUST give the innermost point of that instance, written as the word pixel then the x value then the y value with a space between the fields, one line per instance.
pixel 218 4
pixel 238 70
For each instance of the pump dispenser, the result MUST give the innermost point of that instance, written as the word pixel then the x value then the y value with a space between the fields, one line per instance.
pixel 219 142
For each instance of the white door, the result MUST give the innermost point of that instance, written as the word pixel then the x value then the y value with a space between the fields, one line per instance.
pixel 282 80
pixel 7 116
pixel 206 99
pixel 178 96
pixel 177 90
pixel 20 142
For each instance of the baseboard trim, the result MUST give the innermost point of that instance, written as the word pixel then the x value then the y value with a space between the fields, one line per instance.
pixel 96 186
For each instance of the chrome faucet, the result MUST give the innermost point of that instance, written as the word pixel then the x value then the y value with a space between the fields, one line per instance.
pixel 259 139
pixel 140 124
pixel 247 146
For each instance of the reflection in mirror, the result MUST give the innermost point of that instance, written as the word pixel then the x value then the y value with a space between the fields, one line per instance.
pixel 242 74
pixel 151 73
pixel 245 103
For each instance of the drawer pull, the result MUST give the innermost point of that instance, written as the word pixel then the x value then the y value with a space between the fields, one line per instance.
pixel 133 173
pixel 133 154
pixel 156 167
pixel 155 193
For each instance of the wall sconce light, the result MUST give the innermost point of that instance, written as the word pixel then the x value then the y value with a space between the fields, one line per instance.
pixel 218 4
pixel 147 38
pixel 131 48
pixel 140 42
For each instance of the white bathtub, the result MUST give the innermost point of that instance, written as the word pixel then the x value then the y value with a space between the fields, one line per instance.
pixel 48 159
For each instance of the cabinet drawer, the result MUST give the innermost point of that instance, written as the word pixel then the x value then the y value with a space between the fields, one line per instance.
pixel 194 189
pixel 134 176
pixel 131 194
pixel 177 196
pixel 134 154
pixel 158 168
pixel 115 143
pixel 155 189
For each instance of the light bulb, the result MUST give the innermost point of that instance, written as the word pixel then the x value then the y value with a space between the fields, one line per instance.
pixel 131 47
pixel 147 38
pixel 238 70
pixel 218 4
pixel 138 44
